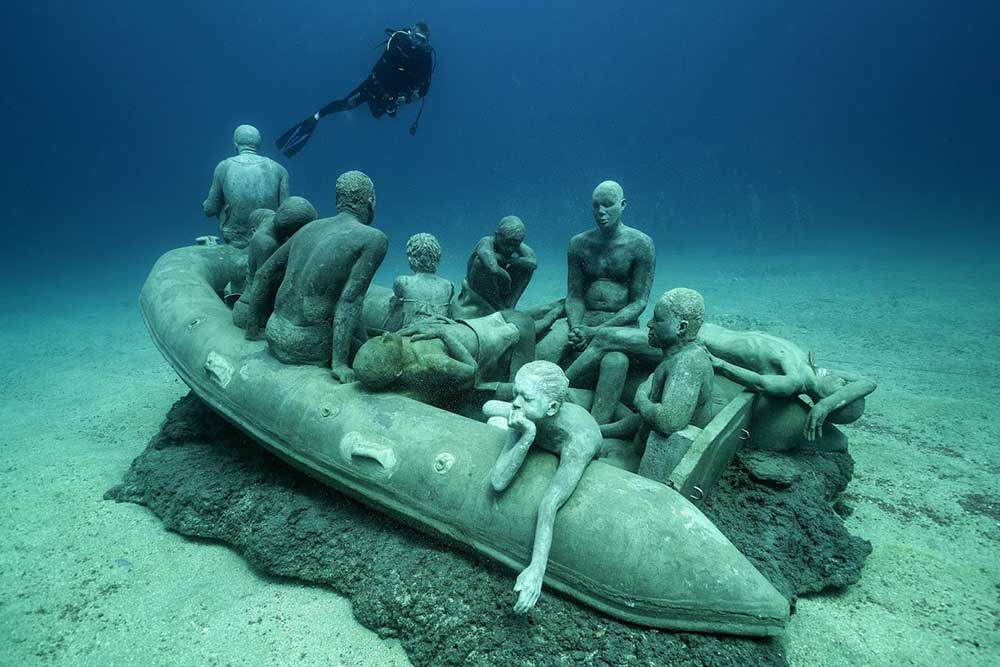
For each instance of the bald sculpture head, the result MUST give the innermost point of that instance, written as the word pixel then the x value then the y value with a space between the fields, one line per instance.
pixel 608 202
pixel 247 139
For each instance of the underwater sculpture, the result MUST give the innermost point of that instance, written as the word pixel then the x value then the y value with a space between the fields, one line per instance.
pixel 539 415
pixel 242 183
pixel 498 271
pixel 273 228
pixel 679 392
pixel 424 294
pixel 779 368
pixel 317 283
pixel 629 547
pixel 610 273
pixel 435 359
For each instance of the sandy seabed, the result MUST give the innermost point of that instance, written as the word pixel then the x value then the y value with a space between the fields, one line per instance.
pixel 88 581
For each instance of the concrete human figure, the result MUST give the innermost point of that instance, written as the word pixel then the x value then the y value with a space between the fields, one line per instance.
pixel 498 271
pixel 234 290
pixel 610 273
pixel 317 282
pixel 436 359
pixel 271 229
pixel 777 367
pixel 679 392
pixel 539 415
pixel 424 294
pixel 242 183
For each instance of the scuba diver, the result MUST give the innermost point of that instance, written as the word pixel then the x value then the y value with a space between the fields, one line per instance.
pixel 401 75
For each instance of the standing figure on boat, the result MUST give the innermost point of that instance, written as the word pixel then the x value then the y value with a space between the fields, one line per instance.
pixel 317 283
pixel 499 270
pixel 242 183
pixel 610 273
pixel 424 294
pixel 539 415
pixel 271 231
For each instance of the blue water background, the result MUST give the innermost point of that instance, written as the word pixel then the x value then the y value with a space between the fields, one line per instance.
pixel 762 127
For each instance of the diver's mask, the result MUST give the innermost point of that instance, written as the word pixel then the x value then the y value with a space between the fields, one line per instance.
pixel 419 39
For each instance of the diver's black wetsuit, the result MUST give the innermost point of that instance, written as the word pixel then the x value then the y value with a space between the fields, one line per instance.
pixel 401 75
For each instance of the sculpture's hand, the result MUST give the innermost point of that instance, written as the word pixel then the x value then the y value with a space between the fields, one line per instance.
pixel 574 338
pixel 581 336
pixel 417 329
pixel 716 362
pixel 524 427
pixel 587 334
pixel 528 588
pixel 430 325
pixel 411 329
pixel 642 400
pixel 343 373
pixel 813 429
pixel 517 420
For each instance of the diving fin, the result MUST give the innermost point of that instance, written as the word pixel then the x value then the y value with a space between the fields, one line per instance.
pixel 295 139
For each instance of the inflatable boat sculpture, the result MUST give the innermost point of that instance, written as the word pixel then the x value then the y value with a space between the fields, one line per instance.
pixel 632 548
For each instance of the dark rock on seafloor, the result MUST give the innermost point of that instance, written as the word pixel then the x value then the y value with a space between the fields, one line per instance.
pixel 204 478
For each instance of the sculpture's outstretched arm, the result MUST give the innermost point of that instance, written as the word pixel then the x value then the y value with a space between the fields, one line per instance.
pixel 838 399
pixel 624 426
pixel 348 309
pixel 572 465
pixel 772 385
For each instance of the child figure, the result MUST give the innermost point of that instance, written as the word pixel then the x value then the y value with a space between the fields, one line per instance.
pixel 538 414
pixel 679 392
pixel 424 294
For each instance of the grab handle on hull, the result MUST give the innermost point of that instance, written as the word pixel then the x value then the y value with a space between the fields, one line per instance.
pixel 367 455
